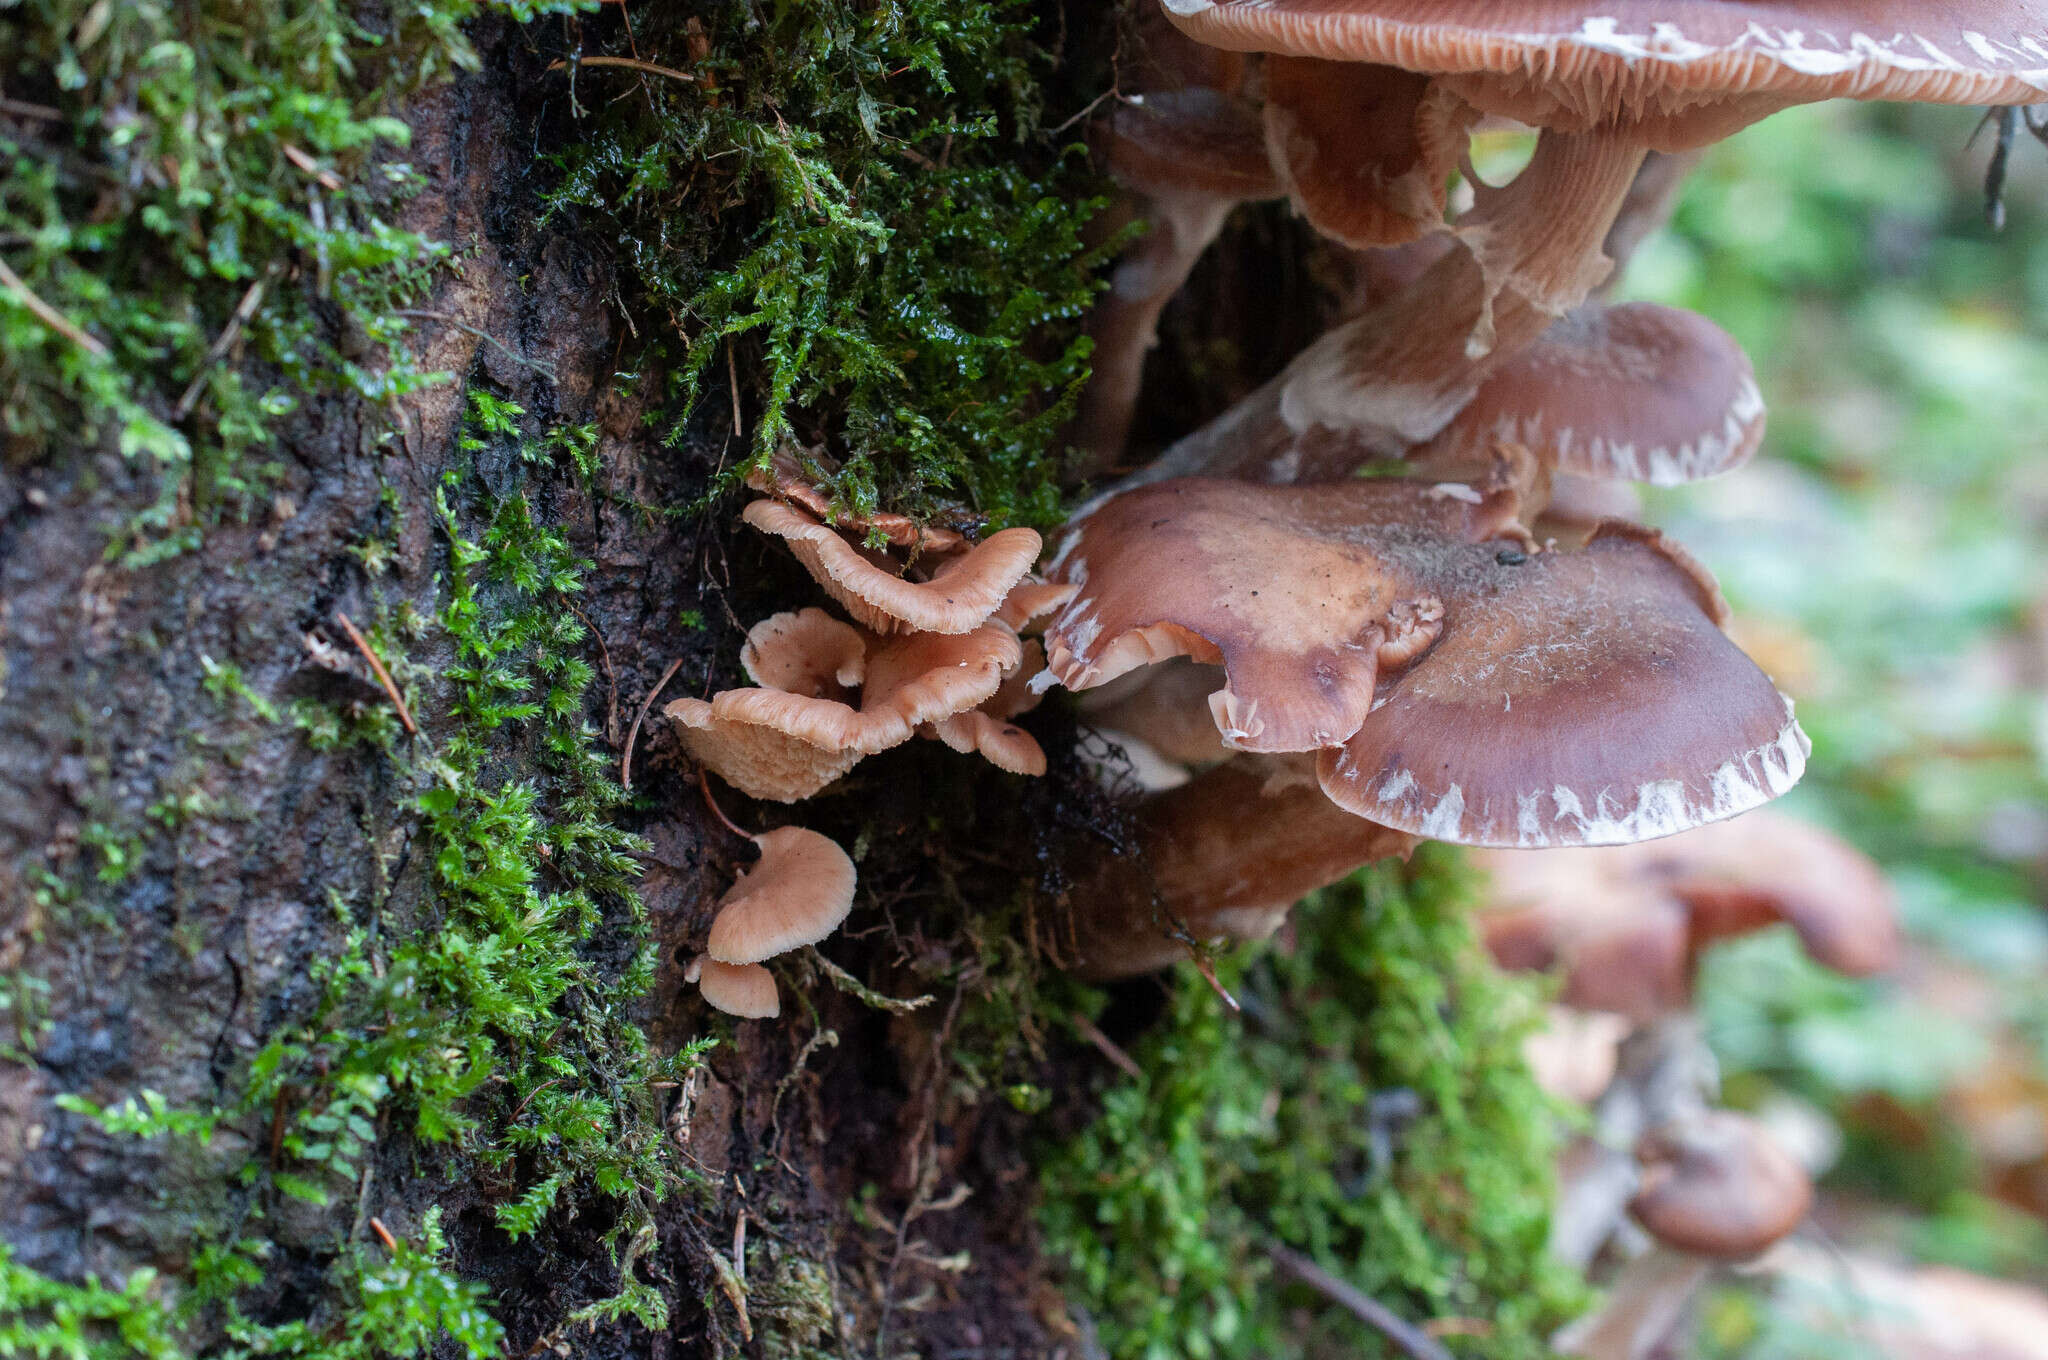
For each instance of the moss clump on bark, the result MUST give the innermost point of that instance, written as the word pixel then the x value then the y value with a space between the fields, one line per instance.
pixel 1369 1109
pixel 852 212
pixel 196 223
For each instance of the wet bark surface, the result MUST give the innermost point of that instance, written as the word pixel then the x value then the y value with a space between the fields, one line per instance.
pixel 171 972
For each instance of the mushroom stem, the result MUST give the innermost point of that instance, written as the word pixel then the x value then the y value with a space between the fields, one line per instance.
pixel 1224 855
pixel 1395 375
pixel 1642 1309
pixel 1124 324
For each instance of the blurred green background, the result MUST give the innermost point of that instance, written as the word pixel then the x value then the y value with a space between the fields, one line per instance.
pixel 1884 554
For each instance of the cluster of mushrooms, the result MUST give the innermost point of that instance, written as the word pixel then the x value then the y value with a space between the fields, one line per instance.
pixel 1393 592
pixel 934 651
pixel 1310 667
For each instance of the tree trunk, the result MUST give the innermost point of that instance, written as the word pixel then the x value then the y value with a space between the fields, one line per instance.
pixel 232 877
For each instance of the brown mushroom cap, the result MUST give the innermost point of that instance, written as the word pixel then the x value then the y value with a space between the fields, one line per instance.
pixel 1620 948
pixel 797 894
pixel 1716 1185
pixel 1299 592
pixel 1636 392
pixel 1625 924
pixel 1575 698
pixel 744 989
pixel 1193 140
pixel 1366 152
pixel 1762 868
pixel 1685 71
pixel 963 591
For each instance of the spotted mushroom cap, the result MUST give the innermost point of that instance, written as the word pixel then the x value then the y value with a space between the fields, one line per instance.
pixel 963 591
pixel 1580 697
pixel 1685 71
pixel 744 989
pixel 1635 392
pixel 1301 593
pixel 1365 151
pixel 796 894
pixel 1715 1184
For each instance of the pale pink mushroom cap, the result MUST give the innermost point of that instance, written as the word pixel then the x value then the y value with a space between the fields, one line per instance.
pixel 796 894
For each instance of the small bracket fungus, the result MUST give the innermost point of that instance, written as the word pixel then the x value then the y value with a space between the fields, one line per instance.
pixel 961 594
pixel 797 894
pixel 786 746
pixel 743 989
pixel 785 480
pixel 1635 392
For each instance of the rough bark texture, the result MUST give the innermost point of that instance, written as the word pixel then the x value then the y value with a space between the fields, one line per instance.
pixel 171 977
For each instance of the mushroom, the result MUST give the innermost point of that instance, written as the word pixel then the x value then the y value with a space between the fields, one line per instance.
pixel 1458 683
pixel 1451 679
pixel 1365 151
pixel 987 728
pixel 743 989
pixel 784 479
pixel 1635 392
pixel 1606 83
pixel 962 593
pixel 1715 1188
pixel 796 894
pixel 787 744
pixel 1220 859
pixel 1625 925
pixel 1188 148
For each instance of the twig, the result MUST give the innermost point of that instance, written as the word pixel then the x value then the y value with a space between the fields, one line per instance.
pixel 1208 972
pixel 1086 109
pixel 631 64
pixel 604 654
pixel 383 1234
pixel 1110 1049
pixel 540 366
pixel 244 309
pixel 1411 1341
pixel 704 785
pixel 21 108
pixel 383 676
pixel 329 181
pixel 732 376
pixel 853 986
pixel 633 732
pixel 49 315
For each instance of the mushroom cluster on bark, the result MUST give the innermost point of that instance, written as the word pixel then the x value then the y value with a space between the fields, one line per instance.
pixel 934 651
pixel 1466 644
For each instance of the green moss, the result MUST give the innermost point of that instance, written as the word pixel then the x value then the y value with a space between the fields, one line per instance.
pixel 1370 1109
pixel 208 182
pixel 46 1318
pixel 486 1028
pixel 854 209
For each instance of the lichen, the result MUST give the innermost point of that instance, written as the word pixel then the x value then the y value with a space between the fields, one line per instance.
pixel 1369 1109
